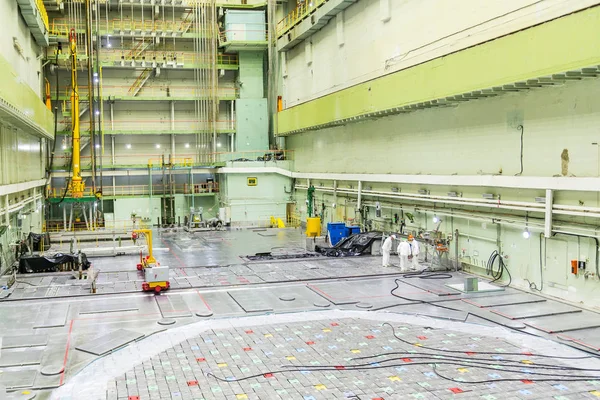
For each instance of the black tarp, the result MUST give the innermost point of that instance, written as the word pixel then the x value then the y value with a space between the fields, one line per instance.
pixel 36 240
pixel 31 263
pixel 354 245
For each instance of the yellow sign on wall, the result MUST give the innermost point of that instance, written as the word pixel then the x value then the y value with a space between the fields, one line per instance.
pixel 252 181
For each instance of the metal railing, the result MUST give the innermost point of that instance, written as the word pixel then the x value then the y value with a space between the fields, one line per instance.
pixel 150 90
pixel 302 11
pixel 43 13
pixel 159 125
pixel 144 190
pixel 126 158
pixel 167 59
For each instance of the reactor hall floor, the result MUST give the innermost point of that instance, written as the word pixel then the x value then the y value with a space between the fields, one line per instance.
pixel 298 328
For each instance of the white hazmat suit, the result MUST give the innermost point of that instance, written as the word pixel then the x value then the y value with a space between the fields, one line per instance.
pixel 386 249
pixel 403 253
pixel 414 246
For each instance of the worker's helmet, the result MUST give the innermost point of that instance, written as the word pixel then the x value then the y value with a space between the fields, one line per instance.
pixel 394 237
pixel 410 237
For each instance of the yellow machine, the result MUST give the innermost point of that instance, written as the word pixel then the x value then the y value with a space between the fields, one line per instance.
pixel 149 261
pixel 156 277
pixel 77 185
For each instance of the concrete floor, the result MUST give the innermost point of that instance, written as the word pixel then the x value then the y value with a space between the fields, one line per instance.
pixel 227 318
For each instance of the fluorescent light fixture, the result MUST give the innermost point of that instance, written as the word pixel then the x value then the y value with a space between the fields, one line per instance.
pixel 187 145
pixel 452 194
pixel 540 199
pixel 158 146
pixel 488 195
pixel 423 191
pixel 97 146
pixel 128 145
pixel 218 144
pixel 97 112
pixel 526 233
pixel 64 146
pixel 95 74
pixel 435 219
pixel 395 190
pixel 96 80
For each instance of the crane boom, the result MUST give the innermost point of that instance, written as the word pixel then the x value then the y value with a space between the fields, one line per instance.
pixel 77 183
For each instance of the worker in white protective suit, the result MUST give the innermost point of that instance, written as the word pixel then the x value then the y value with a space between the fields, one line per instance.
pixel 386 249
pixel 414 252
pixel 404 253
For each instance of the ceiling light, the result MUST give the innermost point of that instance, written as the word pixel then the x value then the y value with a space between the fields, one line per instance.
pixel 97 146
pixel 97 112
pixel 96 80
pixel 64 146
pixel 435 219
pixel 187 145
pixel 158 146
pixel 540 199
pixel 423 191
pixel 95 74
pixel 218 144
pixel 488 195
pixel 526 233
pixel 452 194
pixel 128 145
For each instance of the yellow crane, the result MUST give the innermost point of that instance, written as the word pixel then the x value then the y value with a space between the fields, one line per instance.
pixel 77 183
pixel 156 277
pixel 148 261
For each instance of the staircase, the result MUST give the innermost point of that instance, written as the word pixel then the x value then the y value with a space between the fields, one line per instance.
pixel 186 21
pixel 139 82
pixel 138 49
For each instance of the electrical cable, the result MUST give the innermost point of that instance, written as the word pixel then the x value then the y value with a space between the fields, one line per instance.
pixel 483 352
pixel 532 285
pixel 426 274
pixel 497 275
pixel 520 127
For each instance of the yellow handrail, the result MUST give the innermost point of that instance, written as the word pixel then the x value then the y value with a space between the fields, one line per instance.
pixel 43 14
pixel 299 13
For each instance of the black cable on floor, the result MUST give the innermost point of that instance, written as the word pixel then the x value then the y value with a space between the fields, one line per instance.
pixel 485 352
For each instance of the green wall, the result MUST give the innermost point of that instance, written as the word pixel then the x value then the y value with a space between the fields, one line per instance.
pixel 252 124
pixel 254 205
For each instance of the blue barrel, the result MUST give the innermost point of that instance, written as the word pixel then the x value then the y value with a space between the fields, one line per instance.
pixel 336 232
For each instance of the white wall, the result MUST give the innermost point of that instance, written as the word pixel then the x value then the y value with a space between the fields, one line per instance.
pixel 27 64
pixel 417 31
pixel 475 137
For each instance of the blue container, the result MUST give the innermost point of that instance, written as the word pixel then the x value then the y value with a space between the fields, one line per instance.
pixel 336 232
pixel 352 230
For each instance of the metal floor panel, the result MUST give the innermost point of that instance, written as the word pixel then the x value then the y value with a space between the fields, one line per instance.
pixel 589 338
pixel 172 306
pixel 221 303
pixel 18 379
pixel 338 293
pixel 533 310
pixel 108 342
pixel 105 306
pixel 12 342
pixel 20 358
pixel 53 316
pixel 566 322
pixel 253 300
pixel 519 298
pixel 431 311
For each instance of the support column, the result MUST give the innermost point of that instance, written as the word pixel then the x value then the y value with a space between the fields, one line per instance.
pixel 548 213
pixel 64 218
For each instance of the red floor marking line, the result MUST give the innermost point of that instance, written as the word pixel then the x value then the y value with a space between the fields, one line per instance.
pixel 204 301
pixel 501 313
pixel 62 374
pixel 319 290
pixel 472 303
pixel 172 252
